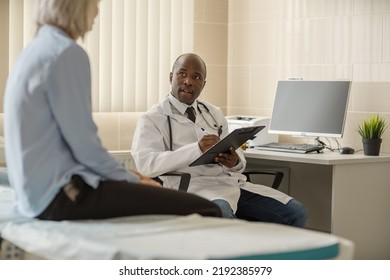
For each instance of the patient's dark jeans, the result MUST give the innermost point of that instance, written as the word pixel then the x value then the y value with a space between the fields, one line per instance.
pixel 118 198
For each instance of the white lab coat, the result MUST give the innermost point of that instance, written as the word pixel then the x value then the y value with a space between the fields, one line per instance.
pixel 152 155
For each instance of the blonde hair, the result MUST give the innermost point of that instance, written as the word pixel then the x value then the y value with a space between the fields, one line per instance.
pixel 69 15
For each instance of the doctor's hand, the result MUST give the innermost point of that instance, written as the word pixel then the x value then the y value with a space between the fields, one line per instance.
pixel 207 141
pixel 228 160
pixel 146 180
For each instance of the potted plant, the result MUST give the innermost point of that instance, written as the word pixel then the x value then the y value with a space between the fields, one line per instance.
pixel 371 131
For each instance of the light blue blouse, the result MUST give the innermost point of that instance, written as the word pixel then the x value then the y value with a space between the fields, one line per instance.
pixel 49 131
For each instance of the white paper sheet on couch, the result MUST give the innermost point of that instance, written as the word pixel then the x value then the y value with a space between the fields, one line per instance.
pixel 153 237
pixel 159 237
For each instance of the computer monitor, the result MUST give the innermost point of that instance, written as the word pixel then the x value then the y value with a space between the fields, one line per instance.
pixel 310 108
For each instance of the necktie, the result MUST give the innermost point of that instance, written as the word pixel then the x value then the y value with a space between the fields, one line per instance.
pixel 190 113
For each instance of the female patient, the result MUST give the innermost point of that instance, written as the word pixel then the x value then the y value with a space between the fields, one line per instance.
pixel 55 159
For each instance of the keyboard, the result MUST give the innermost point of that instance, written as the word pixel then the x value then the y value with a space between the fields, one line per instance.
pixel 290 147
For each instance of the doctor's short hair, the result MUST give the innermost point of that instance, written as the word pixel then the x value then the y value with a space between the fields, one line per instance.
pixel 190 54
pixel 69 15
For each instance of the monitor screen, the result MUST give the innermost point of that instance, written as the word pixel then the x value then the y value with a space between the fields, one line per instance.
pixel 310 108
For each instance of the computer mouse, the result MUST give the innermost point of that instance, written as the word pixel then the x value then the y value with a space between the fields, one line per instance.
pixel 347 150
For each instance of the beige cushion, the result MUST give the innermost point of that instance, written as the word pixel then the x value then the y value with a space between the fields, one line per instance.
pixel 115 129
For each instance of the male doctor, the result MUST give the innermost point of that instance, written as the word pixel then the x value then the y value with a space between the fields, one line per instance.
pixel 176 131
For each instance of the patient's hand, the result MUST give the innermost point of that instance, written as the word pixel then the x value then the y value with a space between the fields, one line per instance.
pixel 146 180
pixel 149 182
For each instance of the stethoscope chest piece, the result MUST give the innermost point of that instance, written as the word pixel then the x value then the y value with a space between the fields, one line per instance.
pixel 215 126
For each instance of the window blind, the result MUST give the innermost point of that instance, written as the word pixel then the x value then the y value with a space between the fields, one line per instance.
pixel 132 47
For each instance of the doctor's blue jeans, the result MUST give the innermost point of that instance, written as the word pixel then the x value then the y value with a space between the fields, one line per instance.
pixel 255 207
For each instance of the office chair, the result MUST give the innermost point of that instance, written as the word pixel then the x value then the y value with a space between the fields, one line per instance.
pixel 278 176
pixel 185 178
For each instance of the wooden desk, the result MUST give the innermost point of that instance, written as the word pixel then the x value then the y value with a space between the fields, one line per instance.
pixel 347 195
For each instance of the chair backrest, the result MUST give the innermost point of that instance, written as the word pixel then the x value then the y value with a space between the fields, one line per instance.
pixel 278 175
pixel 185 179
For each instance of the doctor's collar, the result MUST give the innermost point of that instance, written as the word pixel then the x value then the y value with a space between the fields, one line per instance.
pixel 181 107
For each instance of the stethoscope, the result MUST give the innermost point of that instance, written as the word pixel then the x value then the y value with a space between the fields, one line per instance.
pixel 215 126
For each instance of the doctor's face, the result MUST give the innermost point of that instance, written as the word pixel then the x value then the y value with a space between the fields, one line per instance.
pixel 188 78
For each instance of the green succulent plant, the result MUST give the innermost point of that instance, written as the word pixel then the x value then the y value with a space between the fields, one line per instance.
pixel 373 127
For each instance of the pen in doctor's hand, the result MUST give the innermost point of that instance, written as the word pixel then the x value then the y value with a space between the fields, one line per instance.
pixel 204 130
pixel 207 141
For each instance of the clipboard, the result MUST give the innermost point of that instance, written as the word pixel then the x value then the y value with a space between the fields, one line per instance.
pixel 235 139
